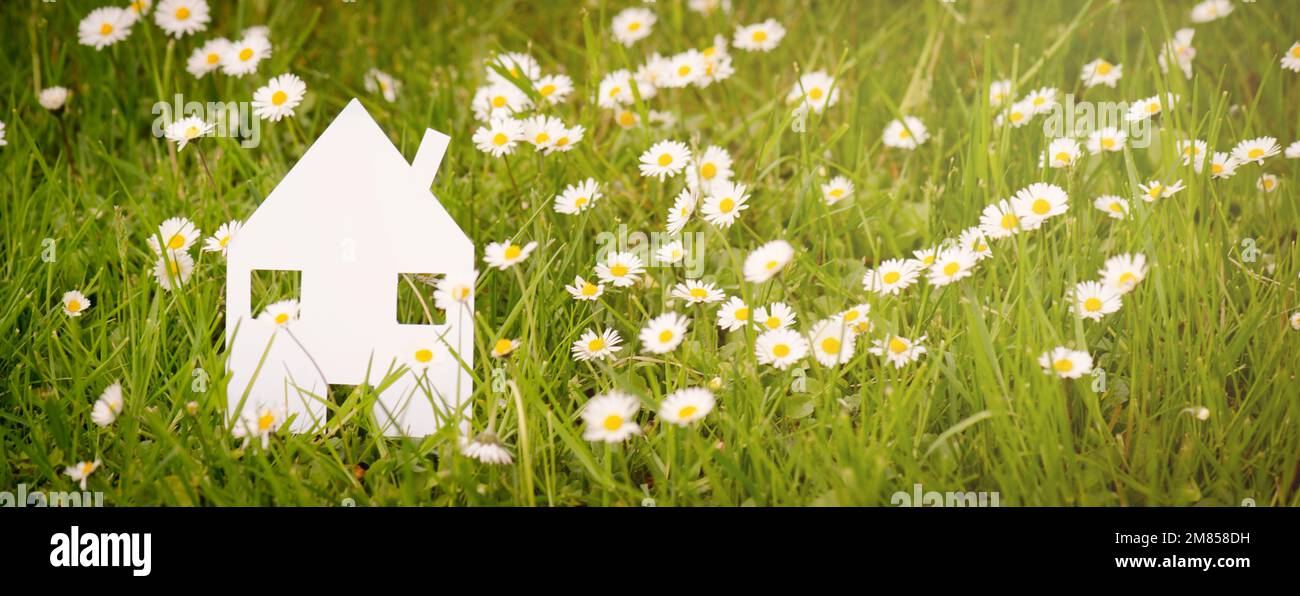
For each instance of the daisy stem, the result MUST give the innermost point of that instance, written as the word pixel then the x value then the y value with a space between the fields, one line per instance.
pixel 203 162
pixel 67 145
pixel 511 172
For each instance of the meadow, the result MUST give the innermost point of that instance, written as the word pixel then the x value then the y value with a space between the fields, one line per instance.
pixel 853 133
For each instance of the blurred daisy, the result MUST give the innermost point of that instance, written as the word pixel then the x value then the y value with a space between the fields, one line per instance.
pixel 891 277
pixel 664 333
pixel 453 291
pixel 503 347
pixel 694 291
pixel 1210 10
pixel 833 341
pixel 1292 150
pixel 973 239
pixel 1094 300
pixel 1122 273
pixel 1101 72
pixel 684 406
pixel 767 260
pixel 584 290
pixel 923 258
pixel 378 81
pixel 1193 152
pixel 207 57
pixel 554 89
pixel 566 139
pixel 1267 183
pixel 108 406
pixel 1222 165
pixel 723 205
pixel 759 37
pixel 1255 150
pixel 951 265
pixel 1106 139
pixel 279 314
pixel 542 131
pixel 177 233
pixel 1291 61
pixel 1000 219
pixel 219 241
pixel 776 316
pixel 173 270
pixel 620 269
pixel 780 348
pixel 734 314
pixel 279 97
pixel 1019 114
pixel 244 55
pixel 499 137
pixel 1038 202
pixel 53 98
pixel 1066 363
pixel 1062 152
pixel 615 90
pixel 518 65
pixel 665 159
pixel 487 448
pixel 1180 51
pixel 182 17
pixel 137 9
pixel 685 69
pixel 907 133
pixel 712 167
pixel 627 118
pixel 80 471
pixel 838 189
pixel 1295 320
pixel 683 208
pixel 501 100
pixel 632 25
pixel 1113 206
pixel 652 74
pixel 609 417
pixel 898 350
pixel 596 346
pixel 261 421
pixel 74 303
pixel 504 254
pixel 999 92
pixel 1143 109
pixel 857 318
pixel 105 26
pixel 1155 190
pixel 670 253
pixel 578 197
pixel 816 89
pixel 1041 100
pixel 185 130
pixel 423 354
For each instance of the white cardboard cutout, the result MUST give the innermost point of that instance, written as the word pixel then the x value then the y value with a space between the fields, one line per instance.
pixel 351 216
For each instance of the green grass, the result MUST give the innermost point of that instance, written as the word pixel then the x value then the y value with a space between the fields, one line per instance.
pixel 1206 328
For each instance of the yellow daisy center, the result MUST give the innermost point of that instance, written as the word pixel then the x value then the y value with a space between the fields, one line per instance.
pixel 281 318
pixel 772 265
pixel 665 159
pixel 580 201
pixel 1092 305
pixel 500 139
pixel 618 270
pixel 191 132
pixel 903 134
pixel 87 468
pixel 687 412
pixel 928 260
pixel 562 141
pixel 214 58
pixel 1104 68
pixel 596 345
pixel 772 322
pixel 1256 153
pixel 589 289
pixel 951 269
pixel 831 345
pixel 683 70
pixel 513 252
pixel 265 421
pixel 850 315
pixel 499 101
pixel 245 54
pixel 726 205
pixel 106 29
pixel 816 93
pixel 1108 143
pixel 1153 107
pixel 836 192
pixel 780 350
pixel 546 90
pixel 423 355
pixel 634 25
pixel 278 98
pixel 612 422
pixel 461 292
pixel 1216 168
pixel 1042 206
pixel 708 171
pixel 1117 207
pixel 1155 191
pixel 1127 278
pixel 541 138
pixel 897 346
pixel 1040 100
pixel 176 241
pixel 74 305
pixel 182 13
pixel 1063 365
pixel 665 336
pixel 1295 52
pixel 502 346
pixel 891 277
pixel 741 314
pixel 698 293
pixel 1017 116
pixel 626 118
pixel 1063 157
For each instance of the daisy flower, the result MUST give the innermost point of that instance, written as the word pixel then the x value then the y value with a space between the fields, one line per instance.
pixel 1113 206
pixel 898 350
pixel 780 348
pixel 609 417
pixel 503 347
pixel 1062 152
pixel 504 254
pixel 733 314
pixel 665 159
pixel 554 89
pixel 1295 320
pixel 542 131
pixel 1143 109
pixel 832 341
pixel 279 97
pixel 53 98
pixel 1038 202
pixel 584 290
pixel 951 265
pixel 566 138
pixel 891 277
pixel 1154 190
pixel 615 90
pixel 627 118
pixel 1066 363
pixel 487 448
pixel 578 197
pixel 499 137
pixel 378 81
pixel 999 92
pixel 1106 139
pixel 80 471
pixel 685 69
pixel 105 26
pixel 856 317
pixel 923 258
pixel 652 74
pixel 684 406
pixel 759 37
pixel 776 316
pixel 74 303
pixel 279 313
pixel 1292 150
pixel 1210 10
pixel 185 130
pixel 137 9
pixel 1122 273
pixel 1255 150
pixel 767 260
pixel 664 333
pixel 179 18
pixel 221 239
pixel 694 291
pixel 1291 61
pixel 1094 300
pixel 207 57
pixel 108 406
pixel 244 55
pixel 711 168
pixel 1019 114
pixel 1000 219
pixel 1041 100
pixel 596 346
pixel 683 208
pixel 1101 72
pixel 423 354
pixel 671 253
pixel 1222 165
pixel 973 239
pixel 838 189
pixel 632 25
pixel 451 292
pixel 620 269
pixel 723 206
pixel 261 421
pixel 173 270
pixel 1179 50
pixel 177 233
pixel 816 89
pixel 907 133
pixel 1267 183
pixel 1193 152
pixel 518 65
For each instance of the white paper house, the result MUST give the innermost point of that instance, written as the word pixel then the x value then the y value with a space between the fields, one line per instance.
pixel 351 216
